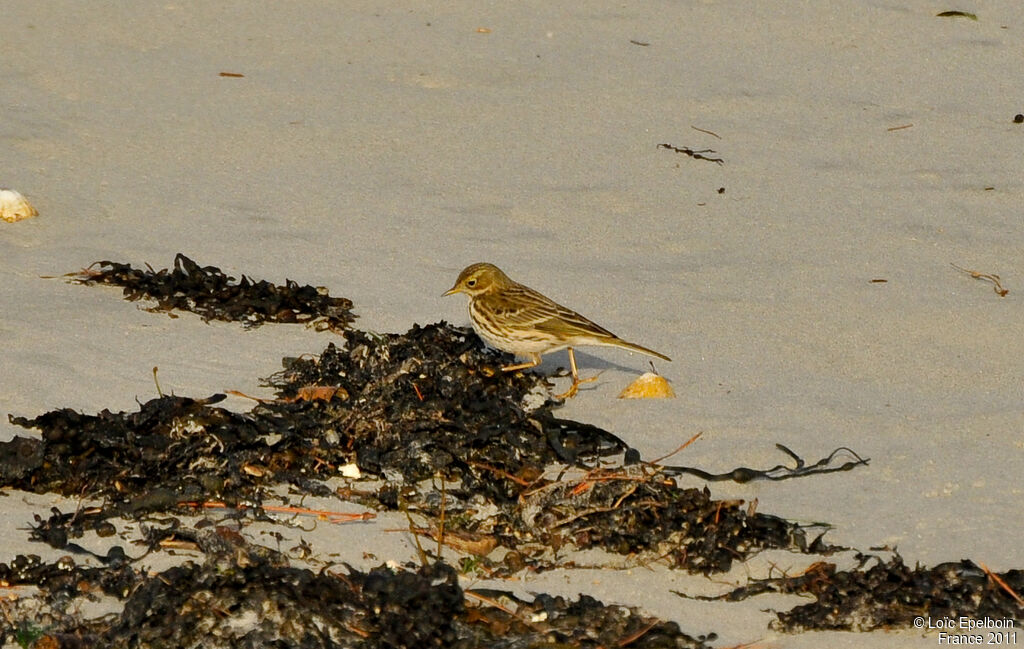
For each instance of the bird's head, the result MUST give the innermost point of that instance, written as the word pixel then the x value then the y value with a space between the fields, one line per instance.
pixel 478 279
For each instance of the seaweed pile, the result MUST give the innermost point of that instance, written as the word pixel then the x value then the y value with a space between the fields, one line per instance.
pixel 638 512
pixel 437 430
pixel 410 410
pixel 210 293
pixel 169 450
pixel 890 595
pixel 245 596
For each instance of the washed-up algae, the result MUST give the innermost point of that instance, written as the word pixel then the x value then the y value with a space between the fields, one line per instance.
pixel 410 409
pixel 446 435
pixel 214 295
pixel 891 594
pixel 244 595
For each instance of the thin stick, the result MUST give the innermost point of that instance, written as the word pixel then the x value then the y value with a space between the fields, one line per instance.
pixel 706 131
pixel 996 578
pixel 415 537
pixel 688 442
pixel 500 472
pixel 322 514
pixel 639 634
pixel 440 533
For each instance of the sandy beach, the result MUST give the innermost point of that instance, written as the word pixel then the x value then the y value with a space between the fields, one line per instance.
pixel 377 149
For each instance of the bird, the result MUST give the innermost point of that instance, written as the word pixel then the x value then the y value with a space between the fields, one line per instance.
pixel 515 318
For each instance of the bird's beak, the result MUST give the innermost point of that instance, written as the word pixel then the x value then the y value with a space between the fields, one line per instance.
pixel 452 291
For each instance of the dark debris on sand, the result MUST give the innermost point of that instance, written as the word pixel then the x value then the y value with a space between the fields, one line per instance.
pixel 245 596
pixel 890 594
pixel 446 435
pixel 420 408
pixel 639 512
pixel 210 293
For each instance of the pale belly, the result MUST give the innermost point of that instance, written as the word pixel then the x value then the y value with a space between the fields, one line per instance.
pixel 520 347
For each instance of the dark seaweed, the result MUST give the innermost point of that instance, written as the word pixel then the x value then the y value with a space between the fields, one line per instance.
pixel 420 408
pixel 213 295
pixel 243 596
pixel 890 594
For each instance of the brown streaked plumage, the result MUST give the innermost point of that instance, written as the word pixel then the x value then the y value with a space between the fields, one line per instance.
pixel 515 318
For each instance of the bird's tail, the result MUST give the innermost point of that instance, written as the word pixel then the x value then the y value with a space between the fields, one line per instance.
pixel 639 348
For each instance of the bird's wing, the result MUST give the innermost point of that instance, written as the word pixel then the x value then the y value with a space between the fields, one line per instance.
pixel 533 310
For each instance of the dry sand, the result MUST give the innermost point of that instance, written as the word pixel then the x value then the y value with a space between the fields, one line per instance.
pixel 376 149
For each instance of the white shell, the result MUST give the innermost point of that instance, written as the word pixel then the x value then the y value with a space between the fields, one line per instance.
pixel 648 386
pixel 14 207
pixel 350 471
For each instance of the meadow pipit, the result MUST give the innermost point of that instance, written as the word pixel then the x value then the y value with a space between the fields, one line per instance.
pixel 515 318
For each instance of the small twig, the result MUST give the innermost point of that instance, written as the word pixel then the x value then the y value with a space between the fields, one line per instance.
pixel 440 525
pixel 688 442
pixel 630 639
pixel 898 128
pixel 997 286
pixel 322 514
pixel 580 514
pixel 584 485
pixel 629 492
pixel 498 605
pixel 466 542
pixel 415 537
pixel 1002 584
pixel 305 393
pixel 706 131
pixel 602 475
pixel 500 472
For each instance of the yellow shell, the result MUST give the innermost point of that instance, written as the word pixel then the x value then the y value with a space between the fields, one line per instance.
pixel 648 386
pixel 14 207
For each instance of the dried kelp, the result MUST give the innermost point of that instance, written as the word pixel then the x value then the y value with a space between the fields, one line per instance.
pixel 890 594
pixel 779 472
pixel 208 292
pixel 247 596
pixel 696 155
pixel 434 401
pixel 449 437
pixel 173 449
pixel 177 448
pixel 636 511
pixel 419 414
pixel 413 409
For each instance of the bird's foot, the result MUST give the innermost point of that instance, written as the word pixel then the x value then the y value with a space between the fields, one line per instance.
pixel 574 388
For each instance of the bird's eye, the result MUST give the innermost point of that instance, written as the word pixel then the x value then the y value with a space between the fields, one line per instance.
pixel 471 283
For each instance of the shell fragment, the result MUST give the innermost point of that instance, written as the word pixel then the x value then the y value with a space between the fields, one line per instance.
pixel 14 207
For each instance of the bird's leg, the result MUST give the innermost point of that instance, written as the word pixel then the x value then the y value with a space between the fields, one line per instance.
pixel 533 362
pixel 571 392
